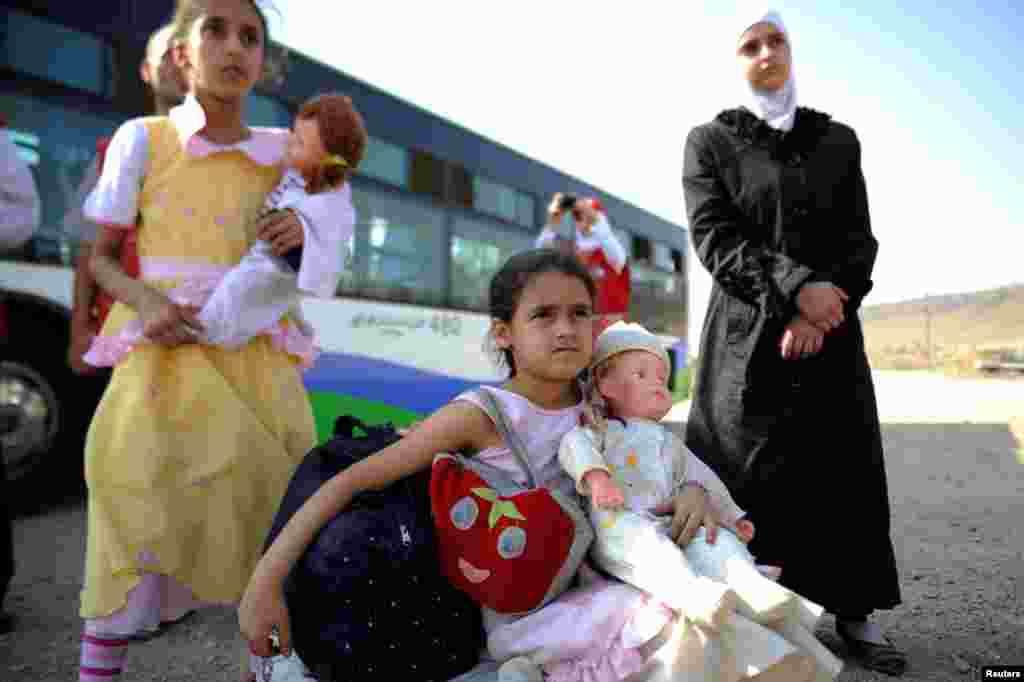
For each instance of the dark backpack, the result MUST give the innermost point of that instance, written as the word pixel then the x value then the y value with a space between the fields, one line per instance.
pixel 367 600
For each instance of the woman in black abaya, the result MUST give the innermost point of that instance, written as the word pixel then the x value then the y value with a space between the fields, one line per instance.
pixel 784 407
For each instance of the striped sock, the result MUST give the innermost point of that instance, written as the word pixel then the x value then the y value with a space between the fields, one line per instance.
pixel 102 659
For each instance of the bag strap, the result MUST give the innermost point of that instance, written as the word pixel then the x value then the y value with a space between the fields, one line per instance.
pixel 511 438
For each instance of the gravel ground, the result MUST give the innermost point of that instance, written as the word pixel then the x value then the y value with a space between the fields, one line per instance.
pixel 955 457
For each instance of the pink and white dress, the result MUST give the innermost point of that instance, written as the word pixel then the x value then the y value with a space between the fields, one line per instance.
pixel 608 631
pixel 262 288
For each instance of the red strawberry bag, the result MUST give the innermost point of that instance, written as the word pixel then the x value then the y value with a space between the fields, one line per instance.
pixel 512 548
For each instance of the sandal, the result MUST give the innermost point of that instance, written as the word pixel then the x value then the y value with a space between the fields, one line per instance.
pixel 147 635
pixel 884 658
pixel 164 624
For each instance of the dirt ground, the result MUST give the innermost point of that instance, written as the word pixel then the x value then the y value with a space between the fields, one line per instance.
pixel 955 458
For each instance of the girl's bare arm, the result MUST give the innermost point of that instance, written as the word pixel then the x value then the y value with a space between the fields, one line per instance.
pixel 163 322
pixel 454 427
pixel 107 271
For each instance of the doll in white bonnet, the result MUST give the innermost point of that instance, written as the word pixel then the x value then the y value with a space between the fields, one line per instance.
pixel 628 463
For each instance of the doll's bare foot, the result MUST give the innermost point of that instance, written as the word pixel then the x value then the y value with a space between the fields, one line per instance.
pixel 520 669
pixel 808 613
pixel 761 599
pixel 709 603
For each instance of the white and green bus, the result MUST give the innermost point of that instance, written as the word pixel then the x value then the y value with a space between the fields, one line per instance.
pixel 440 208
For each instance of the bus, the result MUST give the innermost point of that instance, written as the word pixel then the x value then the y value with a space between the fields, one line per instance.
pixel 440 208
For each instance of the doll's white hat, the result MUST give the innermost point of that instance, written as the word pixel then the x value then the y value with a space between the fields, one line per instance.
pixel 624 336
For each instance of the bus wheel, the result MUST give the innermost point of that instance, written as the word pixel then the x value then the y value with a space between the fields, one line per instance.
pixel 29 417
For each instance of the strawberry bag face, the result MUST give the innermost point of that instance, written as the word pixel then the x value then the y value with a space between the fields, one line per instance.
pixel 509 547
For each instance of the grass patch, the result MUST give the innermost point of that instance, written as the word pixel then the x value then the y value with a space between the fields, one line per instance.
pixel 684 378
pixel 329 406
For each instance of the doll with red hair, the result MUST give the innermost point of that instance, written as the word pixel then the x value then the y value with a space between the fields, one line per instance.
pixel 327 143
pixel 252 298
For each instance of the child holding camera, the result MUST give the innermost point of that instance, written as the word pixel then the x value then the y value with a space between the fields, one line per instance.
pixel 598 248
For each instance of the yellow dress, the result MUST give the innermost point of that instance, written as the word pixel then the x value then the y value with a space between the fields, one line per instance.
pixel 191 448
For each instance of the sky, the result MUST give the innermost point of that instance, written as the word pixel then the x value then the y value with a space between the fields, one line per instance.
pixel 607 92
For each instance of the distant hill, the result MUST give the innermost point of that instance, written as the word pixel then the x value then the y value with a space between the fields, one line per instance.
pixel 897 334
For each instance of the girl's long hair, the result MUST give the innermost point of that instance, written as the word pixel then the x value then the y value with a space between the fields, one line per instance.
pixel 596 410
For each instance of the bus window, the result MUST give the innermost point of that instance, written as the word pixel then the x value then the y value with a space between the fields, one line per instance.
pixel 41 48
pixel 386 162
pixel 63 142
pixel 478 249
pixel 461 187
pixel 398 249
pixel 662 257
pixel 502 201
pixel 678 262
pixel 268 112
pixel 641 249
pixel 526 210
pixel 427 175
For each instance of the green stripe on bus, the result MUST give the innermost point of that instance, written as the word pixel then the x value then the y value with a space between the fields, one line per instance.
pixel 329 406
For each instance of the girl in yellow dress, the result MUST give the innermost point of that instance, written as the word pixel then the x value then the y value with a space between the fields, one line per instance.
pixel 192 445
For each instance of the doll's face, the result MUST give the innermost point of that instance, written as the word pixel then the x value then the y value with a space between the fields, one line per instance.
pixel 636 386
pixel 305 151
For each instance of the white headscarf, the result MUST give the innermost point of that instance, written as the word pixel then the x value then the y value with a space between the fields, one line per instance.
pixel 777 109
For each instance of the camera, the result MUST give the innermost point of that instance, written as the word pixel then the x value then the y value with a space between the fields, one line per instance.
pixel 568 201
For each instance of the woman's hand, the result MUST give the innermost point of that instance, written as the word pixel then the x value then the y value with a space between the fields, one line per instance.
pixel 282 230
pixel 690 510
pixel 167 323
pixel 261 609
pixel 800 339
pixel 745 530
pixel 822 304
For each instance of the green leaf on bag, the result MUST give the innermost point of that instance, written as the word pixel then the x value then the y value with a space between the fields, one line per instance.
pixel 486 493
pixel 504 508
